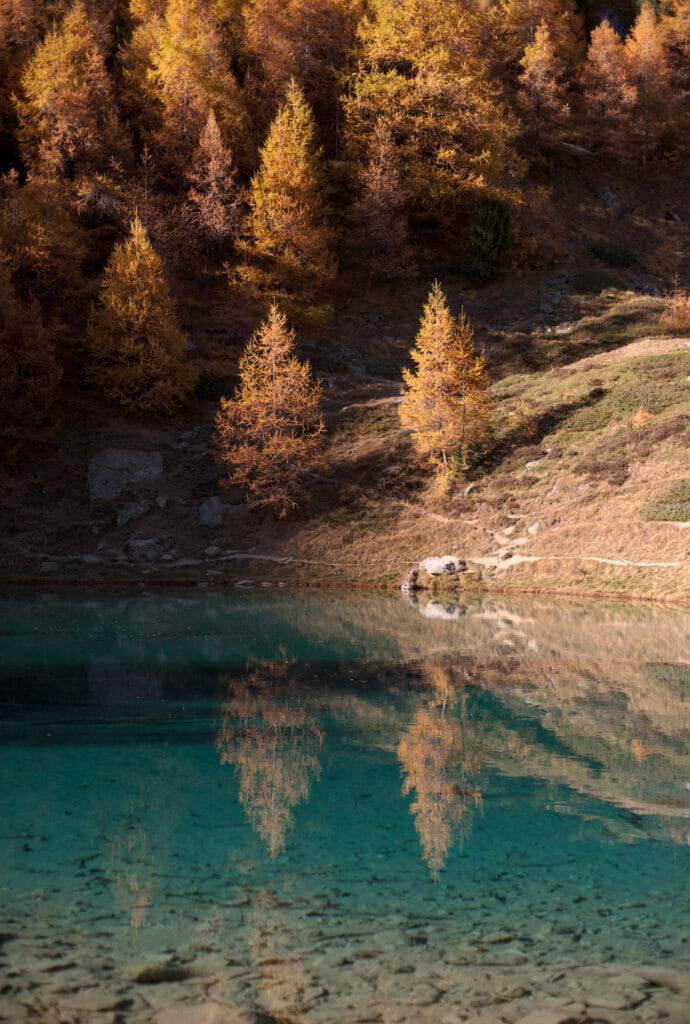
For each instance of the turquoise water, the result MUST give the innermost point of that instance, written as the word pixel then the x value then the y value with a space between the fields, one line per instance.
pixel 342 807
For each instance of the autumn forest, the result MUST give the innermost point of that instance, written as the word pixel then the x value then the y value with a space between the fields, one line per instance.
pixel 287 151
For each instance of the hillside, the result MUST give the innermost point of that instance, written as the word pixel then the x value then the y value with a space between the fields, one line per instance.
pixel 577 490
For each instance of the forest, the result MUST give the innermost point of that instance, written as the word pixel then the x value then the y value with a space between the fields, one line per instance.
pixel 269 160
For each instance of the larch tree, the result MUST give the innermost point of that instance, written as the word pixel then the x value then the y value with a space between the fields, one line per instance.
pixel 520 20
pixel 542 78
pixel 423 72
pixel 270 434
pixel 382 236
pixel 445 400
pixel 285 225
pixel 137 345
pixel 67 113
pixel 608 92
pixel 648 67
pixel 213 195
pixel 307 40
pixel 190 75
pixel 29 372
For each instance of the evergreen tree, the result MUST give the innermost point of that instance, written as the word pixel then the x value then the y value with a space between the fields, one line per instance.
pixel 445 400
pixel 381 231
pixel 214 192
pixel 269 435
pixel 286 223
pixel 67 113
pixel 29 372
pixel 541 80
pixel 648 67
pixel 135 337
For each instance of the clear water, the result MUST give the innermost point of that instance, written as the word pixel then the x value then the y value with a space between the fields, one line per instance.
pixel 335 807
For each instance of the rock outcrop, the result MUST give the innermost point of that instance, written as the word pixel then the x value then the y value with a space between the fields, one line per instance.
pixel 112 471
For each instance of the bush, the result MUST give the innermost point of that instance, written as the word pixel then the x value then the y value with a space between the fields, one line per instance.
pixel 491 237
pixel 672 505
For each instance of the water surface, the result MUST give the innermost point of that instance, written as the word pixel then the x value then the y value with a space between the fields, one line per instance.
pixel 337 807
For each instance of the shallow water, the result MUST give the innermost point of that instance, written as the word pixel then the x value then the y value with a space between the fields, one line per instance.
pixel 336 807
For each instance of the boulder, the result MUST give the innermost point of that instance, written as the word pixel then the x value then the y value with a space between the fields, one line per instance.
pixel 444 566
pixel 132 510
pixel 113 470
pixel 211 512
pixel 410 582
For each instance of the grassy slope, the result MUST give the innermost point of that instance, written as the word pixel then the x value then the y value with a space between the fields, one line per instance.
pixel 557 335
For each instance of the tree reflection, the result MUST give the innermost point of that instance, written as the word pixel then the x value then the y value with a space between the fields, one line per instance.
pixel 272 741
pixel 130 872
pixel 273 943
pixel 439 755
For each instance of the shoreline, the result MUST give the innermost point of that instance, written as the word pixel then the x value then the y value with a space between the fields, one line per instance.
pixel 241 583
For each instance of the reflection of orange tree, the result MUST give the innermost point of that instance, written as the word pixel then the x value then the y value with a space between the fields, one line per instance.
pixel 130 871
pixel 273 941
pixel 438 756
pixel 272 742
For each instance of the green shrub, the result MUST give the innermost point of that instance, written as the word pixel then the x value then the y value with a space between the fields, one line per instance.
pixel 491 237
pixel 672 505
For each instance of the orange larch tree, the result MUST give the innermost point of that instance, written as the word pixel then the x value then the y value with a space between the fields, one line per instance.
pixel 307 40
pixel 446 399
pixel 213 196
pixel 382 237
pixel 285 225
pixel 136 340
pixel 648 67
pixel 270 434
pixel 67 115
pixel 608 93
pixel 542 79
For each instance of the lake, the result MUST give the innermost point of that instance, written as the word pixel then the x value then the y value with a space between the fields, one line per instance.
pixel 245 807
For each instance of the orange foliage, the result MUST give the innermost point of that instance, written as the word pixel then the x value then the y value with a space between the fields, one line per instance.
pixel 136 341
pixel 446 399
pixel 270 435
pixel 270 739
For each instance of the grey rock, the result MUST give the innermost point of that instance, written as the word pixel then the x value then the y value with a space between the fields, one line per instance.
pixel 612 203
pixel 577 150
pixel 211 512
pixel 532 463
pixel 131 511
pixel 466 491
pixel 410 582
pixel 113 470
pixel 212 550
pixel 161 501
pixel 447 565
pixel 534 529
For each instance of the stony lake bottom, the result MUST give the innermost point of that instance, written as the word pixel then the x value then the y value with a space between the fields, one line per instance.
pixel 241 808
